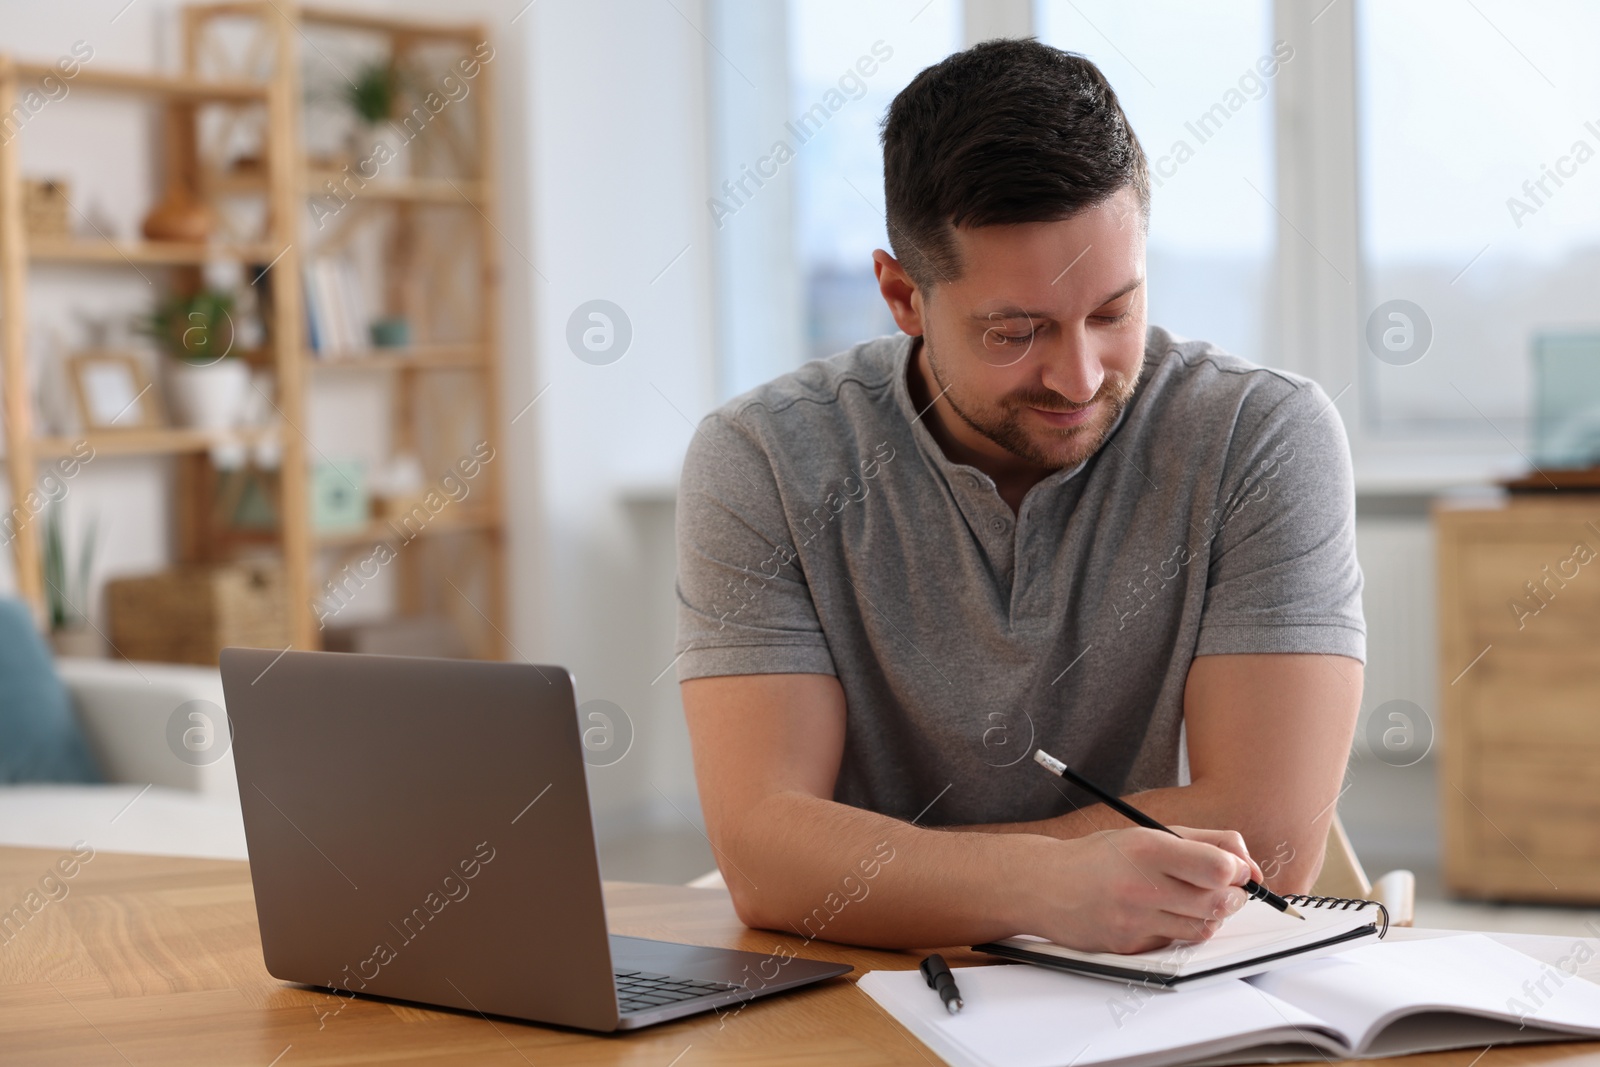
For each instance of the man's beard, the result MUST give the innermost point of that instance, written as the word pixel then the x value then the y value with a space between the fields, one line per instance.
pixel 1063 446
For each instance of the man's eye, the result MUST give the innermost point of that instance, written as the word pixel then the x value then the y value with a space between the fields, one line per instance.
pixel 1113 320
pixel 1010 337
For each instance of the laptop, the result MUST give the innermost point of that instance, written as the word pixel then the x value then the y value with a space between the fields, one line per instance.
pixel 419 829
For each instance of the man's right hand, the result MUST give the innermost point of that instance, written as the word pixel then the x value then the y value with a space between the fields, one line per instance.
pixel 1133 890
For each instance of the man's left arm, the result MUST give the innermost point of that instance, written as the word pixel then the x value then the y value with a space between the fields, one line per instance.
pixel 1268 735
pixel 1274 688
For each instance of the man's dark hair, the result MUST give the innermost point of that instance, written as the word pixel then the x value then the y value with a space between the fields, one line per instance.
pixel 1008 131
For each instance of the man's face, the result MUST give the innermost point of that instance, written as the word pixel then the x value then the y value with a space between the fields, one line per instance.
pixel 1039 344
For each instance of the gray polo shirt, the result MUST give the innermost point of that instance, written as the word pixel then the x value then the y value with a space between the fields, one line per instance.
pixel 821 529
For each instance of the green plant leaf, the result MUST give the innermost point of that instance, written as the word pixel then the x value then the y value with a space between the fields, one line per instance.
pixel 197 327
pixel 372 94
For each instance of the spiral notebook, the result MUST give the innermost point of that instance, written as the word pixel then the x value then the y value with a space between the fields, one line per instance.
pixel 1253 939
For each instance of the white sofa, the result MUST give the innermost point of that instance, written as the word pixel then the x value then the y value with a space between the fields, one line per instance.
pixel 153 801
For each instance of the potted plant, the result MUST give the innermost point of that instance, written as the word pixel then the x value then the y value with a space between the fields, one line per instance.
pixel 207 383
pixel 373 97
pixel 66 589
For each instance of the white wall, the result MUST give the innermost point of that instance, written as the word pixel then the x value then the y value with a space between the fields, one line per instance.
pixel 1391 812
pixel 618 171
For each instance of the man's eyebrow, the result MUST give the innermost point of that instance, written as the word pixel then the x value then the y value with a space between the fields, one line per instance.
pixel 1005 314
pixel 1124 291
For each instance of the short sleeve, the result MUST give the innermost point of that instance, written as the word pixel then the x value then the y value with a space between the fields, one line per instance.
pixel 1283 571
pixel 743 603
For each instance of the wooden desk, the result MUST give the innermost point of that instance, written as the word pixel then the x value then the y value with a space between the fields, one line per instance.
pixel 155 960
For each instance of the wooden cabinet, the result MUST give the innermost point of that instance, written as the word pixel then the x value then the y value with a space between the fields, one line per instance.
pixel 1519 678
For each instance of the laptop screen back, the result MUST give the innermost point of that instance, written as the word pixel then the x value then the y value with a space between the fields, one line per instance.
pixel 420 829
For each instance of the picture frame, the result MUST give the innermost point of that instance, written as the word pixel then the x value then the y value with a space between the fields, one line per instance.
pixel 112 392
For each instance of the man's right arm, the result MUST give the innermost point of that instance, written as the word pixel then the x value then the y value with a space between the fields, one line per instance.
pixel 767 752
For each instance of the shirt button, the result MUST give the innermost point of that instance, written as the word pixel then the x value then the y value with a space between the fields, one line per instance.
pixel 975 481
pixel 998 525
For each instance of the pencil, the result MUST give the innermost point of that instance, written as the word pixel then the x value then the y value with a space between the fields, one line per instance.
pixel 1252 888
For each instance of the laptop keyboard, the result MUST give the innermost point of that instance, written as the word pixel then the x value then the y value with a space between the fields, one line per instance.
pixel 642 990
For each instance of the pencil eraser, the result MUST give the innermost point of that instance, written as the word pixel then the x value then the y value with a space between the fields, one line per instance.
pixel 1048 762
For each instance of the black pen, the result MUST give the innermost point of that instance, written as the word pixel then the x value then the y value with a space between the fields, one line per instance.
pixel 1252 888
pixel 937 974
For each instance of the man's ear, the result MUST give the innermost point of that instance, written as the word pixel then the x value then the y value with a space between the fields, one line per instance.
pixel 905 300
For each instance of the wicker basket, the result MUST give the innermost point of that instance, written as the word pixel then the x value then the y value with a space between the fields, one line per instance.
pixel 189 614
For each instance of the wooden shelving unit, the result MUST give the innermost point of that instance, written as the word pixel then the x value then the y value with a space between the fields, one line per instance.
pixel 286 181
pixel 19 251
pixel 414 357
pixel 174 88
pixel 415 190
pixel 81 250
pixel 390 532
pixel 160 442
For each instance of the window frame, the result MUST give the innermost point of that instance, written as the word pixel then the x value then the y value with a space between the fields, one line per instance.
pixel 1320 266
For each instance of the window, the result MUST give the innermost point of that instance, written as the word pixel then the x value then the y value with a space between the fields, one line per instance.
pixel 838 206
pixel 1479 171
pixel 1196 81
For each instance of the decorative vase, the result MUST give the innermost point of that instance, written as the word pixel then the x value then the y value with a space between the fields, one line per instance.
pixel 391 331
pixel 209 396
pixel 78 641
pixel 379 152
pixel 181 216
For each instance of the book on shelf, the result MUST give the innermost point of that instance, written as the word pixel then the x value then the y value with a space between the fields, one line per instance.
pixel 337 310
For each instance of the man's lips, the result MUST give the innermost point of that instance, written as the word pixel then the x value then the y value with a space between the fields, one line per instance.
pixel 1066 418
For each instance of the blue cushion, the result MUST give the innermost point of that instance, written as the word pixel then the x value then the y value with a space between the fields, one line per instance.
pixel 39 736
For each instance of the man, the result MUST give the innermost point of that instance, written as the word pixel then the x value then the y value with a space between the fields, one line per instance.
pixel 1027 522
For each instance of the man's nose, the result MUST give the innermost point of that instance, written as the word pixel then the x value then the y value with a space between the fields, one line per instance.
pixel 1072 368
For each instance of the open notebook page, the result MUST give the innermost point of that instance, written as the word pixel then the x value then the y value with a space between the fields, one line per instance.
pixel 1363 991
pixel 1254 930
pixel 1021 1016
pixel 1382 999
